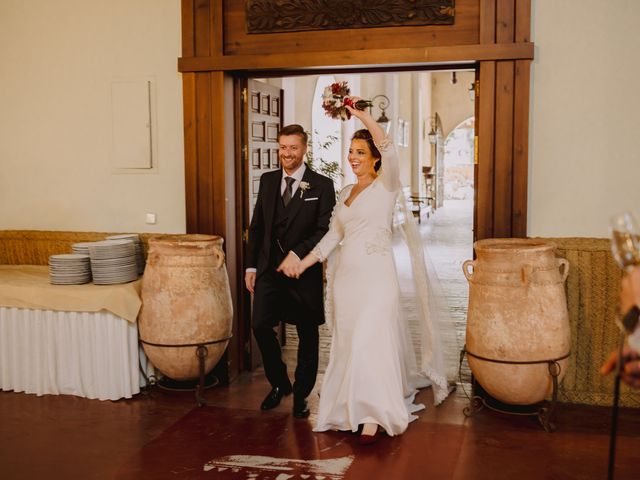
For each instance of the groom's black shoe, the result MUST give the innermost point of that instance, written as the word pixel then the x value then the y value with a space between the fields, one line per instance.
pixel 300 408
pixel 272 400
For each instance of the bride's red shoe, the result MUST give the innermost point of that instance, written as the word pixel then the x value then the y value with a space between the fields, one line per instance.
pixel 369 434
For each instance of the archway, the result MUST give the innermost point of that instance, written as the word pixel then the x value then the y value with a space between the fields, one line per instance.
pixel 458 161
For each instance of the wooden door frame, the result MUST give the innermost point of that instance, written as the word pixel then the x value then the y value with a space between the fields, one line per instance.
pixel 503 56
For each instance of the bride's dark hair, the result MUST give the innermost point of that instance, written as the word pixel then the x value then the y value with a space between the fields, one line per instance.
pixel 364 134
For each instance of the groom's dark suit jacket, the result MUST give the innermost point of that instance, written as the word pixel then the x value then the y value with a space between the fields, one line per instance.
pixel 274 231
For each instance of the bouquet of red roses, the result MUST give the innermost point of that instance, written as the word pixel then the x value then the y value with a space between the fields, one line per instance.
pixel 336 96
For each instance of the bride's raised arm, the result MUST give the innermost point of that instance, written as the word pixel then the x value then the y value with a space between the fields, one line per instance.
pixel 389 173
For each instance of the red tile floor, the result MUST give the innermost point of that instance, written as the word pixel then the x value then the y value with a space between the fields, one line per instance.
pixel 164 435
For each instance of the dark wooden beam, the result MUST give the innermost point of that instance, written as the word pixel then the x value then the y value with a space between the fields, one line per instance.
pixel 521 124
pixel 190 151
pixel 487 21
pixel 426 67
pixel 202 27
pixel 486 150
pixel 520 148
pixel 503 150
pixel 188 25
pixel 219 122
pixel 400 56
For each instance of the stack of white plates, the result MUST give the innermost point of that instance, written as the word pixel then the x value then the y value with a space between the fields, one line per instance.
pixel 81 248
pixel 69 269
pixel 113 261
pixel 135 238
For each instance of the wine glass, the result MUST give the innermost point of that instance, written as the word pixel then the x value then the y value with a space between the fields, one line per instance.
pixel 625 240
pixel 625 246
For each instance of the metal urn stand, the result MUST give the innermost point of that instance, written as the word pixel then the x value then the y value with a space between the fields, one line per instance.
pixel 201 352
pixel 543 410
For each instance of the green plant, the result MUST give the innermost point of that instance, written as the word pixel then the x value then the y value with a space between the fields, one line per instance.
pixel 315 162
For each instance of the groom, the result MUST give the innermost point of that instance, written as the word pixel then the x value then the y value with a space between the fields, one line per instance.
pixel 291 215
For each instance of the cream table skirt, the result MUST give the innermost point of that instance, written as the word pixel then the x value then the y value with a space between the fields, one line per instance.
pixel 89 354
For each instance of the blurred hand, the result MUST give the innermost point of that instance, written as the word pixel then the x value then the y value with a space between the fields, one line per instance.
pixel 290 266
pixel 630 373
pixel 630 292
pixel 250 281
pixel 298 270
pixel 360 114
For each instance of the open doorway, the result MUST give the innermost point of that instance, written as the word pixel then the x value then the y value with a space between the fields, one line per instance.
pixel 422 108
pixel 219 55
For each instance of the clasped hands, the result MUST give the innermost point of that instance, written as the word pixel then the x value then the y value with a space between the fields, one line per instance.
pixel 291 266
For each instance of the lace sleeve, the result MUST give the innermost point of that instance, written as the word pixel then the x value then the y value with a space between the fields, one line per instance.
pixel 390 171
pixel 333 237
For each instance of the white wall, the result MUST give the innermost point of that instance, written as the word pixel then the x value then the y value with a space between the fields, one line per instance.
pixel 58 61
pixel 584 150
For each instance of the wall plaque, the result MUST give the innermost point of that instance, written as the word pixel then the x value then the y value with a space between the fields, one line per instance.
pixel 276 16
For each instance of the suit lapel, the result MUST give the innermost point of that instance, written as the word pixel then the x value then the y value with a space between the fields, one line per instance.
pixel 298 197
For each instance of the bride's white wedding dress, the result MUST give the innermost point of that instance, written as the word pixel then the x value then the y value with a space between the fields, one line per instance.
pixel 369 378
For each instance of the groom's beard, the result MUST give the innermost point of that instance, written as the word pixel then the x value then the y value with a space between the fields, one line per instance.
pixel 291 162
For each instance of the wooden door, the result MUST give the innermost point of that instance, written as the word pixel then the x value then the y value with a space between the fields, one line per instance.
pixel 263 113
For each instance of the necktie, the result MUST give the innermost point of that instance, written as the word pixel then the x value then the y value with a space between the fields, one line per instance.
pixel 288 190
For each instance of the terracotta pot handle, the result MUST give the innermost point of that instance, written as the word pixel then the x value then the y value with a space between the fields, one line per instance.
pixel 220 258
pixel 563 263
pixel 527 272
pixel 465 269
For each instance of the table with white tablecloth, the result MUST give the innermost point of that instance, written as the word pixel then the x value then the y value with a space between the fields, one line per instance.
pixel 68 339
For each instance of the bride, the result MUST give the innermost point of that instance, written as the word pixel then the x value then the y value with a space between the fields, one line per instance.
pixel 371 380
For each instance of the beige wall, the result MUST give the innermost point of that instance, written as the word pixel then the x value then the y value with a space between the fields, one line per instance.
pixel 60 57
pixel 584 160
pixel 427 152
pixel 452 101
pixel 58 61
pixel 406 104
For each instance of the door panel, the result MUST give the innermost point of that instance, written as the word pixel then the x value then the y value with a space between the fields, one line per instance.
pixel 263 122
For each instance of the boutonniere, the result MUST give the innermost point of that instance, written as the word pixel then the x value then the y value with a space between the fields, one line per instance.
pixel 304 186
